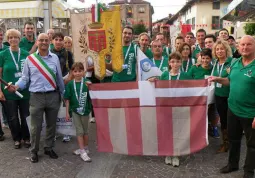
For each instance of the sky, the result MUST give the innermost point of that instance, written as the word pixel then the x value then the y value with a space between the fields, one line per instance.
pixel 161 7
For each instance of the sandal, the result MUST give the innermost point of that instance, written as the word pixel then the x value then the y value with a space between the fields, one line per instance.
pixel 17 145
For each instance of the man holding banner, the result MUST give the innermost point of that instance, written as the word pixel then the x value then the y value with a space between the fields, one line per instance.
pixel 43 74
pixel 129 53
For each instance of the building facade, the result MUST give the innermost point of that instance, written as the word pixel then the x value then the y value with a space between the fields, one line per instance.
pixel 134 12
pixel 197 14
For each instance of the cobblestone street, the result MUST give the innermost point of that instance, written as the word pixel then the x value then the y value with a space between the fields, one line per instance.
pixel 15 163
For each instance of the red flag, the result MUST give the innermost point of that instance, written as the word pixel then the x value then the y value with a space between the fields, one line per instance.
pixel 139 118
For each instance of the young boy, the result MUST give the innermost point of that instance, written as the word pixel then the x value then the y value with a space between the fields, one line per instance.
pixel 174 73
pixel 78 100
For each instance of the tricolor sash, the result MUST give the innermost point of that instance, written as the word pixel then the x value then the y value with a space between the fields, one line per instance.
pixel 44 69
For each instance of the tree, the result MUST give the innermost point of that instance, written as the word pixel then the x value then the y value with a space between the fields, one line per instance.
pixel 249 29
pixel 139 28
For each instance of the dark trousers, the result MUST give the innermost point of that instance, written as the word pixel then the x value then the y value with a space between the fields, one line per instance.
pixel 236 125
pixel 3 110
pixel 222 108
pixel 40 104
pixel 18 111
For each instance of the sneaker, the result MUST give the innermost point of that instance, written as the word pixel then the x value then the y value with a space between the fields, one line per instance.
pixel 86 150
pixel 85 157
pixel 66 138
pixel 92 120
pixel 168 160
pixel 175 161
pixel 5 126
pixel 216 132
pixel 77 152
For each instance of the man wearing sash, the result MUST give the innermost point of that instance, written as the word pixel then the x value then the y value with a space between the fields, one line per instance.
pixel 42 74
pixel 158 59
pixel 129 53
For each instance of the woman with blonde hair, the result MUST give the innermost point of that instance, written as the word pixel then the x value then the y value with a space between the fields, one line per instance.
pixel 222 53
pixel 11 65
pixel 68 43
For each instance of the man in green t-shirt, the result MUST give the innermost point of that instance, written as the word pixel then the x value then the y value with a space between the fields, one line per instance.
pixel 28 41
pixel 166 50
pixel 241 102
pixel 200 37
pixel 144 41
pixel 129 67
pixel 159 59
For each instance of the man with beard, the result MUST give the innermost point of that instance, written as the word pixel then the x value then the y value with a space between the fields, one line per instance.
pixel 166 50
pixel 28 41
pixel 200 36
pixel 241 112
pixel 144 41
pixel 130 63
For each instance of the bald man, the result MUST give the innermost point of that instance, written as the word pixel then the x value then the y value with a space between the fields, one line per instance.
pixel 241 102
pixel 42 74
pixel 50 33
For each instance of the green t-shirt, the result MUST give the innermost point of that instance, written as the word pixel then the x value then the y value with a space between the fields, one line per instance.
pixel 25 44
pixel 9 71
pixel 166 51
pixel 241 99
pixel 148 53
pixel 128 74
pixel 162 64
pixel 51 46
pixel 196 51
pixel 71 96
pixel 221 90
pixel 183 76
pixel 199 72
pixel 4 47
pixel 186 65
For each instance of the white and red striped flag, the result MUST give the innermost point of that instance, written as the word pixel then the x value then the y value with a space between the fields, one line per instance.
pixel 142 118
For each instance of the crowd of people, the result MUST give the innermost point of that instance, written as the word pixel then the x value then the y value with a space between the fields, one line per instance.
pixel 44 71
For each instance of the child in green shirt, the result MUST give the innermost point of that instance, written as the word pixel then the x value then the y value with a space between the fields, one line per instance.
pixel 78 100
pixel 205 69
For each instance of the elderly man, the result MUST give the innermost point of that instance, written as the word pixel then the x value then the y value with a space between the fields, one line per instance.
pixel 241 102
pixel 50 33
pixel 43 74
pixel 159 59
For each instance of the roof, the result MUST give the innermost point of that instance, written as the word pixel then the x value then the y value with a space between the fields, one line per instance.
pixel 129 2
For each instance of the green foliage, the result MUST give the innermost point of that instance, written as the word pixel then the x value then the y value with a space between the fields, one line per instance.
pixel 139 28
pixel 249 29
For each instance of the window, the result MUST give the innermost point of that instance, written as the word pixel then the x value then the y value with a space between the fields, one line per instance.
pixel 216 4
pixel 216 25
pixel 193 23
pixel 129 12
pixel 141 9
pixel 188 21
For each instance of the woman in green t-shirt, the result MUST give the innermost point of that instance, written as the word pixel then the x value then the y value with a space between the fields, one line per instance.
pixel 222 53
pixel 11 66
pixel 187 60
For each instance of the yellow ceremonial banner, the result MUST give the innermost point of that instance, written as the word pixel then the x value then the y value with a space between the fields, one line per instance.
pixel 112 26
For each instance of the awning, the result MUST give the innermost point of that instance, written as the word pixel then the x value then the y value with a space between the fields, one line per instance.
pixel 59 10
pixel 239 10
pixel 21 9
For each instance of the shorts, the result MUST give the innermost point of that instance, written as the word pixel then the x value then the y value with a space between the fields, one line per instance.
pixel 81 124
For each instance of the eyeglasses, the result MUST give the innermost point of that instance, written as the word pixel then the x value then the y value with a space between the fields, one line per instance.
pixel 43 40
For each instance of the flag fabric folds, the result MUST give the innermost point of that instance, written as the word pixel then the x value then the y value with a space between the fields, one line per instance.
pixel 143 118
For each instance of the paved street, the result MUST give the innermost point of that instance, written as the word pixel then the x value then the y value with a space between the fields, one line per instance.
pixel 15 163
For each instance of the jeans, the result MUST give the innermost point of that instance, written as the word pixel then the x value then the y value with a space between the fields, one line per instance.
pixel 236 126
pixel 18 111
